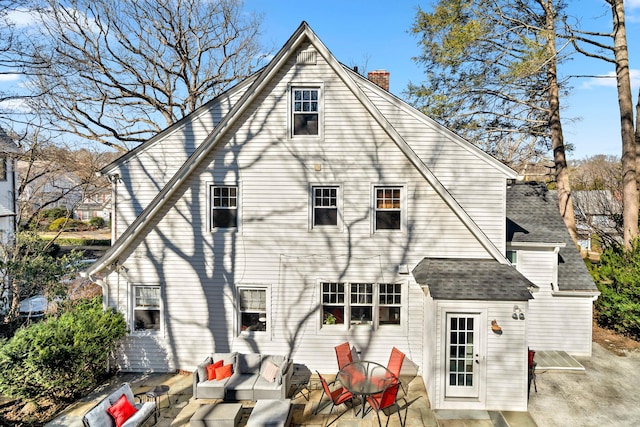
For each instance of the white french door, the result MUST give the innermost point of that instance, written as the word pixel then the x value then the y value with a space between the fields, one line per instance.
pixel 462 355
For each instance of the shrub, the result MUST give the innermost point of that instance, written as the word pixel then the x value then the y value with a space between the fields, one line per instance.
pixel 618 279
pixel 68 224
pixel 55 213
pixel 97 222
pixel 61 358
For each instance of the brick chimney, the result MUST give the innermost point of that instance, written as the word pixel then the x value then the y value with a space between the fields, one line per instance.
pixel 380 77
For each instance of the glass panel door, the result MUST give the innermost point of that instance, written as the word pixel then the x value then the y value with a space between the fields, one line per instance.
pixel 462 355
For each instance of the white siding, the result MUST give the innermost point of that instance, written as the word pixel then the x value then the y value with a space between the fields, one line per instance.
pixel 561 323
pixel 475 184
pixel 503 362
pixel 144 175
pixel 199 270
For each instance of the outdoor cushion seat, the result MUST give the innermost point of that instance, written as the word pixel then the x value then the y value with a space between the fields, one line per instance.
pixel 270 413
pixel 255 376
pixel 99 417
pixel 217 415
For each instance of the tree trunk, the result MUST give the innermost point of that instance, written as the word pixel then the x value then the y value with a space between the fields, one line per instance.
pixel 629 185
pixel 638 144
pixel 565 202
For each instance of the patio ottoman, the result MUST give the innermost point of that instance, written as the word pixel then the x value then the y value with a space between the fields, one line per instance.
pixel 270 413
pixel 217 415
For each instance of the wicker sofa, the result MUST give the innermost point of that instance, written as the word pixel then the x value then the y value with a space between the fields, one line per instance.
pixel 252 378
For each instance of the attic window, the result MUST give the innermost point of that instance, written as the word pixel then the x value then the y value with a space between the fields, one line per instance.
pixel 305 110
pixel 306 57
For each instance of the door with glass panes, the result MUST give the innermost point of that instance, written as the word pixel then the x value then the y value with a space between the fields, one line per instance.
pixel 463 367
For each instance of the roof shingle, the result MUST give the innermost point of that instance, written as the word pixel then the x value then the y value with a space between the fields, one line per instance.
pixel 533 217
pixel 472 279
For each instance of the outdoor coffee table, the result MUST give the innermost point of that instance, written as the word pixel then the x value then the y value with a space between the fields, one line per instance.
pixel 217 415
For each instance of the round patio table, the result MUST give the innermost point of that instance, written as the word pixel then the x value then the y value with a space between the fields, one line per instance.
pixel 365 378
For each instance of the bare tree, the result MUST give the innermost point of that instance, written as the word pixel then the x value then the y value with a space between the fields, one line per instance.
pixel 119 71
pixel 614 50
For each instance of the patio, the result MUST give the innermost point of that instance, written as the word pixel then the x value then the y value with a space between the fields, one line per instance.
pixel 182 406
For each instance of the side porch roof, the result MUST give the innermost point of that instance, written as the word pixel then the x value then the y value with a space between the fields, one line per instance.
pixel 472 279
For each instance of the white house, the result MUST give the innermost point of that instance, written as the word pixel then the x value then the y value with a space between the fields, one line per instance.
pixel 308 192
pixel 8 184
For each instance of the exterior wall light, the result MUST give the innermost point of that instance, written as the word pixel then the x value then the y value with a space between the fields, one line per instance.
pixel 517 313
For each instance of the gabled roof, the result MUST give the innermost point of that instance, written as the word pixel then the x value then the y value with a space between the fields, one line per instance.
pixel 472 279
pixel 533 217
pixel 261 80
pixel 7 145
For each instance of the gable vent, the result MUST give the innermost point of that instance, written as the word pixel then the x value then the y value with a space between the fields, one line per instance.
pixel 307 57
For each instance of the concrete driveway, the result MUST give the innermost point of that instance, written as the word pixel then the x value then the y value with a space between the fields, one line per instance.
pixel 606 394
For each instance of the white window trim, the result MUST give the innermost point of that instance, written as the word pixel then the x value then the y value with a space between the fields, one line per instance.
pixel 268 309
pixel 375 324
pixel 339 202
pixel 305 85
pixel 132 310
pixel 403 208
pixel 209 219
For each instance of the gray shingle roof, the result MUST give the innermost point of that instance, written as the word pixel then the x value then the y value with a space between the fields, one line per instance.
pixel 472 279
pixel 533 217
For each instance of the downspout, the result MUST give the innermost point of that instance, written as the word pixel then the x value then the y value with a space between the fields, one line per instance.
pixel 14 193
pixel 114 206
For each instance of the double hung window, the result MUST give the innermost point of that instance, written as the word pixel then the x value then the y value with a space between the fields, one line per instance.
pixel 224 206
pixel 305 111
pixel 325 206
pixel 388 208
pixel 146 308
pixel 361 303
pixel 390 303
pixel 252 309
pixel 333 303
pixel 372 304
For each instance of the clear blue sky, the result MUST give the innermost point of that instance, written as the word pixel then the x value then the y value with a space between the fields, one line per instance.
pixel 374 34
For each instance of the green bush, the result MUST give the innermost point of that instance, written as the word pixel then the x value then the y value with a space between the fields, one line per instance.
pixel 618 279
pixel 97 222
pixel 55 213
pixel 68 224
pixel 61 358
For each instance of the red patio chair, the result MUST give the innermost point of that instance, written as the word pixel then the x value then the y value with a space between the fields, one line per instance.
pixel 532 372
pixel 338 396
pixel 395 365
pixel 387 401
pixel 343 354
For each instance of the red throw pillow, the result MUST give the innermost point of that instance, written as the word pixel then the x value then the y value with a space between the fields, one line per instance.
pixel 211 370
pixel 224 371
pixel 122 410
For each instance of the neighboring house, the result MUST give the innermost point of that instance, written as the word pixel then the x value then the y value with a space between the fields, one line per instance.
pixel 598 213
pixel 95 203
pixel 8 185
pixel 308 206
pixel 49 190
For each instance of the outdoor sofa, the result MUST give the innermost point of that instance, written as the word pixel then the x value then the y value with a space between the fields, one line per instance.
pixel 253 377
pixel 99 416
